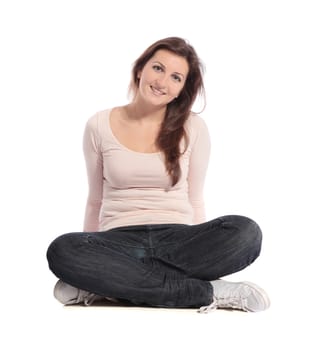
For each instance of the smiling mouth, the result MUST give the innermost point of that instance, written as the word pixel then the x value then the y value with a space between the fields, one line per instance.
pixel 157 91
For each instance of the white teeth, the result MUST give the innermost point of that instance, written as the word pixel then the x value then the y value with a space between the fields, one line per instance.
pixel 156 91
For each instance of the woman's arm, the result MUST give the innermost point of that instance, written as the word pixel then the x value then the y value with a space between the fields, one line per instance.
pixel 94 165
pixel 197 170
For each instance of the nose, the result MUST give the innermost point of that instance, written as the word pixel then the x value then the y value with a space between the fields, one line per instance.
pixel 162 81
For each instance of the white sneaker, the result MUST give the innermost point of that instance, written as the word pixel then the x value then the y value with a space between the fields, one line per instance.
pixel 244 296
pixel 69 295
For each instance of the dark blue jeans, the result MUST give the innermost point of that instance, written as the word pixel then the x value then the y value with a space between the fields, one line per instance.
pixel 166 265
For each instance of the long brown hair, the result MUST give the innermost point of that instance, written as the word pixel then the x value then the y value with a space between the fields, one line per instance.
pixel 172 129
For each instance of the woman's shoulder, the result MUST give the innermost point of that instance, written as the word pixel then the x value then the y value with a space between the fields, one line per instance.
pixel 99 117
pixel 194 124
pixel 98 123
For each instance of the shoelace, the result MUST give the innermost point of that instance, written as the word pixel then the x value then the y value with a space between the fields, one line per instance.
pixel 85 297
pixel 88 298
pixel 224 303
pixel 208 308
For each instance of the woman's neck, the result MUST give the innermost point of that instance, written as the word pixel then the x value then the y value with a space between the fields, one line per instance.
pixel 140 113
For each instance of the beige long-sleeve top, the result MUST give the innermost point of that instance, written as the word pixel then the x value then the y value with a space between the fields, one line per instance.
pixel 133 188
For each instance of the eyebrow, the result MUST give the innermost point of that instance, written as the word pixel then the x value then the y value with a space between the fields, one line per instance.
pixel 165 67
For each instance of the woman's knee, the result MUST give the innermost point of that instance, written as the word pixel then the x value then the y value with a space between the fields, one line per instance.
pixel 63 248
pixel 248 232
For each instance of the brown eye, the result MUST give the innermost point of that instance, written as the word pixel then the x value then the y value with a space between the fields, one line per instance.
pixel 177 78
pixel 157 68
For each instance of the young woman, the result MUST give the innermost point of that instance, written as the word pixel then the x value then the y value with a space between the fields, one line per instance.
pixel 145 237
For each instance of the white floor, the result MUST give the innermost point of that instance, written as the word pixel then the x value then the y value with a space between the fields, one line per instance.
pixel 33 319
pixel 51 326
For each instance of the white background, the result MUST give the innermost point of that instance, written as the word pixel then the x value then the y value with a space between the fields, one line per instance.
pixel 62 61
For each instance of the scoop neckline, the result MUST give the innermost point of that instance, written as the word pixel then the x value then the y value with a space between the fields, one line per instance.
pixel 121 144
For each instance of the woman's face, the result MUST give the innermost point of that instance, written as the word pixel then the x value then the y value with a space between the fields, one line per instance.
pixel 162 78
